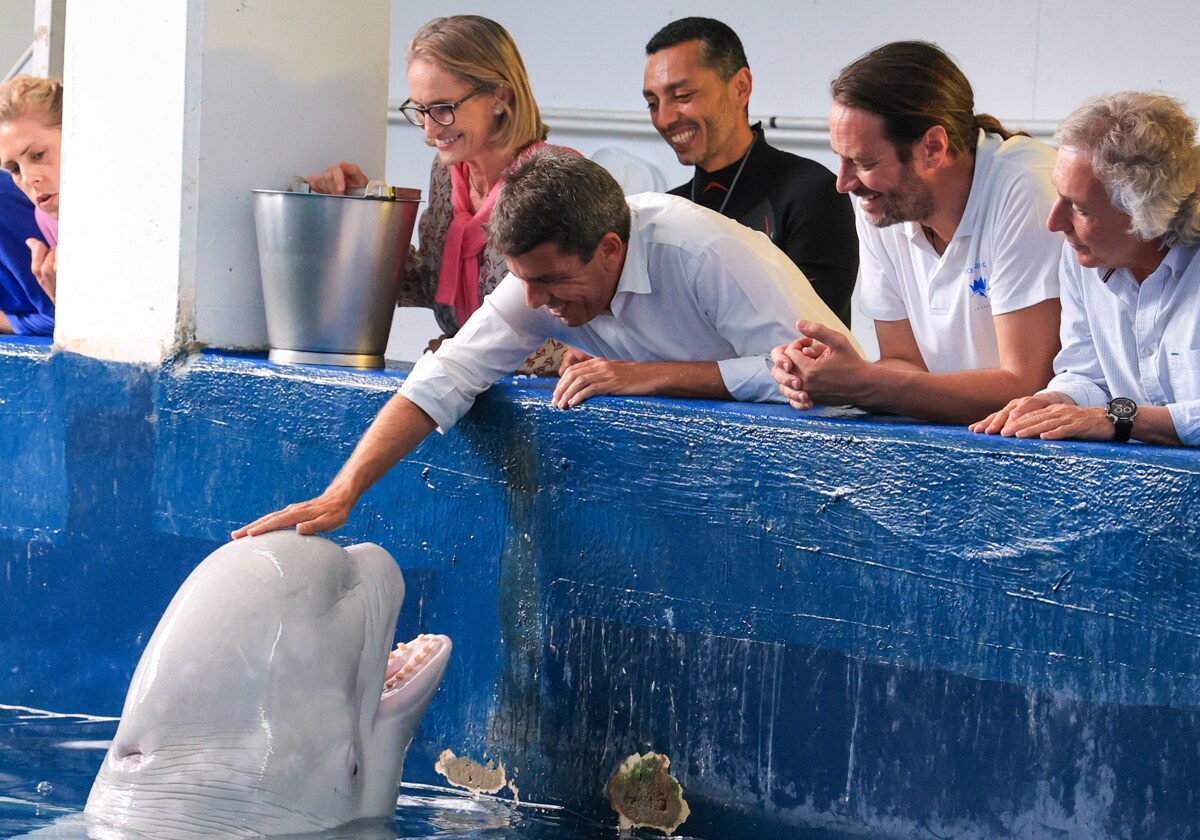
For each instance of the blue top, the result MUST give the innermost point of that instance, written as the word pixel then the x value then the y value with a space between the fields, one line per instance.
pixel 28 308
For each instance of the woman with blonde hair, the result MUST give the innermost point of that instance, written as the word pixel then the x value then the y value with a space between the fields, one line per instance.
pixel 30 140
pixel 469 91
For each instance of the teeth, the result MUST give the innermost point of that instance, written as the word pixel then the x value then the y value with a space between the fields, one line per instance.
pixel 408 658
pixel 684 137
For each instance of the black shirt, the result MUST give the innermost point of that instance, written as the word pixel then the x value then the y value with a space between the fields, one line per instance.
pixel 795 202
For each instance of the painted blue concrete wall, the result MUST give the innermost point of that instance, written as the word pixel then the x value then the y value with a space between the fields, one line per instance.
pixel 823 618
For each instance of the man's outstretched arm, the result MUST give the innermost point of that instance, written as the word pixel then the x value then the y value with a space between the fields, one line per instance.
pixel 395 431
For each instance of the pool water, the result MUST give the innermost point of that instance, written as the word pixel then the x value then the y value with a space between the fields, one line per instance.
pixel 48 760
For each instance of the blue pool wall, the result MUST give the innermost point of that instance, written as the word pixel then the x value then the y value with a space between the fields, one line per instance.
pixel 825 618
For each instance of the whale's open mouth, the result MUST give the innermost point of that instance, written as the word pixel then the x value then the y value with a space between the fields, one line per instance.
pixel 414 663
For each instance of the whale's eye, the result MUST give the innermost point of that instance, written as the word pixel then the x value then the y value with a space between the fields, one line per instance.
pixel 354 772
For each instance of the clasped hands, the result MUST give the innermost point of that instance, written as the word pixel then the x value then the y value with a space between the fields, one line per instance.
pixel 821 366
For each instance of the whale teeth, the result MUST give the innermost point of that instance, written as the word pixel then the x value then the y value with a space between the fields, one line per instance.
pixel 408 658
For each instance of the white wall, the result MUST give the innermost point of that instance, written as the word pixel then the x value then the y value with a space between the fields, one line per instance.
pixel 157 248
pixel 1030 62
pixel 289 87
pixel 16 31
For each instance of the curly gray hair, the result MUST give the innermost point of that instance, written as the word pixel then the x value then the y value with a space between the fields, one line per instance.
pixel 1143 149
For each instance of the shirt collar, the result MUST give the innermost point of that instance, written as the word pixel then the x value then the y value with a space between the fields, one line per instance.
pixel 634 279
pixel 1173 266
pixel 985 150
pixel 985 147
pixel 1178 258
pixel 704 177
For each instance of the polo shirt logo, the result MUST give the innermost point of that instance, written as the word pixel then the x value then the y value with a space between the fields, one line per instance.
pixel 979 286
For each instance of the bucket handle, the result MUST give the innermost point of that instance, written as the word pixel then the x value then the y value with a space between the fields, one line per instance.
pixel 374 189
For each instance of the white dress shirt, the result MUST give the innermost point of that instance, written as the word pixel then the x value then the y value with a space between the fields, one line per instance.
pixel 695 286
pixel 1122 339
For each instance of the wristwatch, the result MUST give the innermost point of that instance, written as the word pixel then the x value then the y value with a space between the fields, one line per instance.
pixel 1121 411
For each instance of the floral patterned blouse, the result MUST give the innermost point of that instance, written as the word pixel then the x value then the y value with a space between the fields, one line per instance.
pixel 419 285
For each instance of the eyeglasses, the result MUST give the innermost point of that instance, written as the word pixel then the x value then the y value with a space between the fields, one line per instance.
pixel 441 114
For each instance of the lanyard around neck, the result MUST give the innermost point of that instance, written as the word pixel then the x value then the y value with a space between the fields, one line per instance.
pixel 736 176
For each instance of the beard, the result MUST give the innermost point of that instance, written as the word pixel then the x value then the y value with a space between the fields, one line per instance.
pixel 911 201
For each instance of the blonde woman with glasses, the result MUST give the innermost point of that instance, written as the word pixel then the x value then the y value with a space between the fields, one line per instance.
pixel 469 92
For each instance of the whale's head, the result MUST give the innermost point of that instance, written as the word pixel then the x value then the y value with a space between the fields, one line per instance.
pixel 269 699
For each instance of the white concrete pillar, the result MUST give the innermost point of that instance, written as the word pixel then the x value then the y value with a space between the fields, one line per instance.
pixel 175 110
pixel 49 36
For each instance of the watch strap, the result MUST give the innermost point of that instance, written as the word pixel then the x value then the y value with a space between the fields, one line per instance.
pixel 1123 428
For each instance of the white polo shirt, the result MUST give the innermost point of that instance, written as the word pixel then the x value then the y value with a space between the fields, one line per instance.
pixel 1001 259
pixel 695 286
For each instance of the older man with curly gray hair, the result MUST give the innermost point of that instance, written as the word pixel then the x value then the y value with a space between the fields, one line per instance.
pixel 1128 181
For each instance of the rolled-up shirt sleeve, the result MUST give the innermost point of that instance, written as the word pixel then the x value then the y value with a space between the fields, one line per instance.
pixel 492 344
pixel 754 313
pixel 749 379
pixel 1077 370
pixel 1186 417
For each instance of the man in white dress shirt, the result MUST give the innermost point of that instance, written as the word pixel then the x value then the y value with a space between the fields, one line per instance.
pixel 658 295
pixel 1128 182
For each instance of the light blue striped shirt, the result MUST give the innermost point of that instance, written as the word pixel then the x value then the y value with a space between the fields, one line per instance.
pixel 1120 339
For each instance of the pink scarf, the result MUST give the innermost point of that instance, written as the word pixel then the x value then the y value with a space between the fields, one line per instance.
pixel 458 277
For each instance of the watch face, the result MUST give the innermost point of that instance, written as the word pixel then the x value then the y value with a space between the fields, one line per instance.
pixel 1122 408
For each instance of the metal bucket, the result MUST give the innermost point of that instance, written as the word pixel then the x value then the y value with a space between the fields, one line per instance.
pixel 331 265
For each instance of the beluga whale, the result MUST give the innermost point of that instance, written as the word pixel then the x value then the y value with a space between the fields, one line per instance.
pixel 269 700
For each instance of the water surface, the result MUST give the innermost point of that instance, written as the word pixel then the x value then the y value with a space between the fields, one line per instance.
pixel 48 761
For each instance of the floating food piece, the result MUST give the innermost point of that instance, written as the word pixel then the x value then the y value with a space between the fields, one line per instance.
pixel 645 795
pixel 470 774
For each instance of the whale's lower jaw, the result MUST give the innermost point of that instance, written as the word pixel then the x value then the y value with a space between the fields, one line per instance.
pixel 414 673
